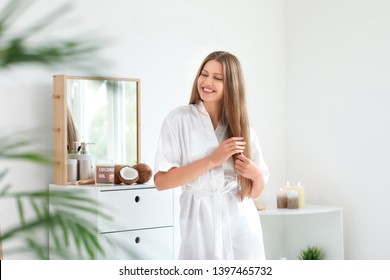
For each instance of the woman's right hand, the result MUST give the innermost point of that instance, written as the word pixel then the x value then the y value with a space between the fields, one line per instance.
pixel 180 176
pixel 229 147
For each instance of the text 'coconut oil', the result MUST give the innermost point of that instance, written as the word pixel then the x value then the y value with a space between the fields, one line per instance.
pixel 105 173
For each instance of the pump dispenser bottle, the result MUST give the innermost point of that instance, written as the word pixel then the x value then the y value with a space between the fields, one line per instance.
pixel 72 154
pixel 84 161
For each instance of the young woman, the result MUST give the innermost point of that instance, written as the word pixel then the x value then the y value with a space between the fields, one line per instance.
pixel 208 148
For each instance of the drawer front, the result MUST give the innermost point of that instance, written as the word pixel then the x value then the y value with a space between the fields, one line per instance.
pixel 135 209
pixel 149 244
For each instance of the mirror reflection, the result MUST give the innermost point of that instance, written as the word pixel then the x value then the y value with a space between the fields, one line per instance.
pixel 104 112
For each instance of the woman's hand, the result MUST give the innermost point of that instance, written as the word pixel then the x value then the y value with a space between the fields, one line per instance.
pixel 229 147
pixel 181 175
pixel 248 169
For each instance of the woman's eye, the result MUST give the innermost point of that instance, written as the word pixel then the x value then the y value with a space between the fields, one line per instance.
pixel 218 78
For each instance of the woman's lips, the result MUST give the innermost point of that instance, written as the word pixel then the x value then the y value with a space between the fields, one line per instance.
pixel 207 90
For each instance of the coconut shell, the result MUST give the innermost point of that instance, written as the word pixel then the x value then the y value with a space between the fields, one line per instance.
pixel 144 172
pixel 117 168
pixel 128 181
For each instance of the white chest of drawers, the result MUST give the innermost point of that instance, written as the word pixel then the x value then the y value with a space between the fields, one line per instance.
pixel 140 224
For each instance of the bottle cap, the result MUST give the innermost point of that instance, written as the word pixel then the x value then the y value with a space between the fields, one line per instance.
pixel 83 147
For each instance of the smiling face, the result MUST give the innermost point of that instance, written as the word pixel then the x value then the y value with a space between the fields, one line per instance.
pixel 210 82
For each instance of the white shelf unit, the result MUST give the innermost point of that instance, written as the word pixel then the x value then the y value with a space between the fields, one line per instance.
pixel 140 224
pixel 287 231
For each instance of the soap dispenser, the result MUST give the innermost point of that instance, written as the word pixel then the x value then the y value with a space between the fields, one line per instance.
pixel 72 154
pixel 84 161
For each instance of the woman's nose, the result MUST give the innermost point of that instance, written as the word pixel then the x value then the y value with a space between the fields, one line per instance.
pixel 208 81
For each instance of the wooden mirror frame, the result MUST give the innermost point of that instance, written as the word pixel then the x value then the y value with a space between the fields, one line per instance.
pixel 60 125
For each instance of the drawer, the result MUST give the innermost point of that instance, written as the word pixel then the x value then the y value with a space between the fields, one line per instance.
pixel 131 209
pixel 148 244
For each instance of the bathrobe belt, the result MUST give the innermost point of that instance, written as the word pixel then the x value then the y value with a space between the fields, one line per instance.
pixel 223 244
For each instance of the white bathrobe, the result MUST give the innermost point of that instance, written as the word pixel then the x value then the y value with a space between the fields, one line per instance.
pixel 214 223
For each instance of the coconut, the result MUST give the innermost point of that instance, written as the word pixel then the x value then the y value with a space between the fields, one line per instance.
pixel 128 175
pixel 117 167
pixel 144 172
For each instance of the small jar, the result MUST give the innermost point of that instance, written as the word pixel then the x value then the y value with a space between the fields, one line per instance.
pixel 104 173
pixel 72 169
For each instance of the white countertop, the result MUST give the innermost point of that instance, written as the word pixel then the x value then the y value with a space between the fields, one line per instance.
pixel 308 209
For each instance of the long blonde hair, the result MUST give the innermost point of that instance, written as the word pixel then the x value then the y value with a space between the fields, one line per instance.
pixel 71 130
pixel 233 109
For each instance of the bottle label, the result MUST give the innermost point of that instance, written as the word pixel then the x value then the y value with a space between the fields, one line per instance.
pixel 104 175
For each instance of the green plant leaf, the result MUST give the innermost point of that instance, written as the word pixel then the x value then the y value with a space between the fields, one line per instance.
pixel 18 146
pixel 21 211
pixel 15 49
pixel 37 248
pixel 65 227
pixel 10 11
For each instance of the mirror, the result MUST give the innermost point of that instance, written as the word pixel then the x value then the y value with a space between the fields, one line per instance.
pixel 102 111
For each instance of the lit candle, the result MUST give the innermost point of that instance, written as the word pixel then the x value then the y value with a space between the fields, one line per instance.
pixel 281 200
pixel 301 195
pixel 292 199
pixel 287 186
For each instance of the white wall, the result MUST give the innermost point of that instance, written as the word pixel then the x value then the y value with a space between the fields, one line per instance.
pixel 338 114
pixel 327 126
pixel 162 43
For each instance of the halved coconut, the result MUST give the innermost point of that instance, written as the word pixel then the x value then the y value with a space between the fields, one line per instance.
pixel 144 172
pixel 117 168
pixel 128 175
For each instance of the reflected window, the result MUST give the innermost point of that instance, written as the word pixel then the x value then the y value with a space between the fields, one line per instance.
pixel 105 114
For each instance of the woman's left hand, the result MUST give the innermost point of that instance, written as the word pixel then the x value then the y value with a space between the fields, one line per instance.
pixel 246 168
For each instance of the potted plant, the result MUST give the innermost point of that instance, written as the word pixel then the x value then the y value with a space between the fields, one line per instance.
pixel 311 252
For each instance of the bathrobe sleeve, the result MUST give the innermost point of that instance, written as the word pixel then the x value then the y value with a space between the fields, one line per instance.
pixel 168 154
pixel 257 155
